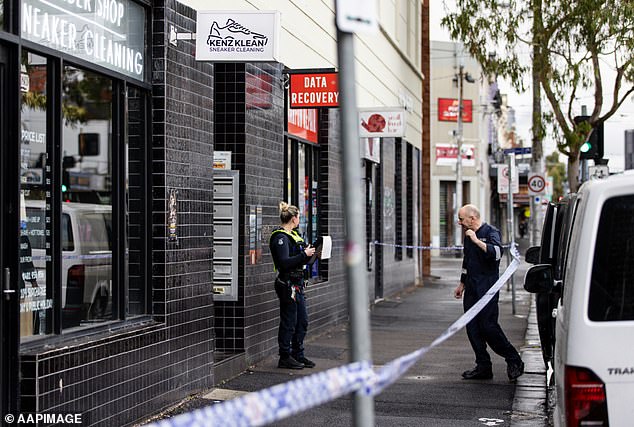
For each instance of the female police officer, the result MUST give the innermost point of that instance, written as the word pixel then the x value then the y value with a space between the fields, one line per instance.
pixel 290 255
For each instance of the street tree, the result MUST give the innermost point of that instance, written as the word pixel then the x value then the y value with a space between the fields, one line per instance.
pixel 557 171
pixel 578 47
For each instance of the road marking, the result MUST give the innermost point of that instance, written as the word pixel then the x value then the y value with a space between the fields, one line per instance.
pixel 491 421
pixel 222 394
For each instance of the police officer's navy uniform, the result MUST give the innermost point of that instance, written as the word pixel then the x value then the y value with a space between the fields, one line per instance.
pixel 480 271
pixel 289 258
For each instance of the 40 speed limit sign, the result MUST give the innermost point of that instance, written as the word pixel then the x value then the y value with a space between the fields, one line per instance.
pixel 536 185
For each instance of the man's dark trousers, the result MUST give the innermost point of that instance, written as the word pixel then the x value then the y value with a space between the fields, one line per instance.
pixel 484 329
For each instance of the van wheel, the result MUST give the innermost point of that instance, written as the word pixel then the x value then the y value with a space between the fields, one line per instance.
pixel 100 308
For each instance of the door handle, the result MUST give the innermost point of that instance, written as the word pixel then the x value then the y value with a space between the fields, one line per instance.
pixel 7 282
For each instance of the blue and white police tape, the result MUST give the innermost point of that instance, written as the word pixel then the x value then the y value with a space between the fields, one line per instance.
pixel 393 370
pixel 440 248
pixel 280 401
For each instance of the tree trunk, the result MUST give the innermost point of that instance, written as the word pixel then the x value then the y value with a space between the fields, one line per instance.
pixel 573 171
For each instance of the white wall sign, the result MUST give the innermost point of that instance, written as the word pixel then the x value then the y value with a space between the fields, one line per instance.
pixel 385 122
pixel 503 180
pixel 110 33
pixel 447 155
pixel 222 160
pixel 237 36
pixel 357 16
pixel 371 149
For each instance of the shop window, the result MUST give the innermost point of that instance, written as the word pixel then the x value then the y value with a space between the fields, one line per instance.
pixel 409 200
pixel 35 200
pixel 303 190
pixel 87 114
pixel 67 196
pixel 398 199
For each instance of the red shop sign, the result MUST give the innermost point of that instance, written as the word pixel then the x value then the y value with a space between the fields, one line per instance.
pixel 314 90
pixel 448 110
pixel 302 123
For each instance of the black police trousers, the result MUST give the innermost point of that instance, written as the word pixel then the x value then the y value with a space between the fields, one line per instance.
pixel 293 320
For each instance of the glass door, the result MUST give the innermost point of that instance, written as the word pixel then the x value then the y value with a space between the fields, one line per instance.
pixel 9 313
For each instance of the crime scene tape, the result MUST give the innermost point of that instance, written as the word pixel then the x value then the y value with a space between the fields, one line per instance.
pixel 280 401
pixel 440 248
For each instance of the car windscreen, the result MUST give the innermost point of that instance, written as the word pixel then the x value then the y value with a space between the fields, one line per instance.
pixel 612 283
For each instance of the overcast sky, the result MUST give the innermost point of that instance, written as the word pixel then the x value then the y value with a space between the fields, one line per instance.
pixel 522 103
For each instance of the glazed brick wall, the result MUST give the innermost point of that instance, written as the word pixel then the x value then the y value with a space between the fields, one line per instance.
pixel 182 152
pixel 131 370
pixel 250 123
pixel 328 301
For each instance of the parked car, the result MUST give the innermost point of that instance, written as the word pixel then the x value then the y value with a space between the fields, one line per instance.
pixel 594 373
pixel 551 251
pixel 86 239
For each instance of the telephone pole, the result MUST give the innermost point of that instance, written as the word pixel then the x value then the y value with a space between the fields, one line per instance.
pixel 537 159
pixel 457 233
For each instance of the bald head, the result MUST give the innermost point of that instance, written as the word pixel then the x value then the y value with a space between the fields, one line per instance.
pixel 469 217
pixel 471 210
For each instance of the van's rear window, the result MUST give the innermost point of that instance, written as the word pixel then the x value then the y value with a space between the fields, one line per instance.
pixel 612 286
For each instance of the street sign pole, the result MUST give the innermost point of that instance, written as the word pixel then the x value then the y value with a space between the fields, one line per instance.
pixel 511 226
pixel 355 258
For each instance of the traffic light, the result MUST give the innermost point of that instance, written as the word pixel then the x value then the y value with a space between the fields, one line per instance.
pixel 593 147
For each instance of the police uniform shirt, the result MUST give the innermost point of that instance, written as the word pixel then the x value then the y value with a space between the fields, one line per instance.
pixel 288 254
pixel 480 269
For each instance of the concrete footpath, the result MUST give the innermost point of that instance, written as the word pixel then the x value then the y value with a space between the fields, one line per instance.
pixel 432 392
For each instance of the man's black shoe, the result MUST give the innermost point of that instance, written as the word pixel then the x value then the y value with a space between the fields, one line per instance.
pixel 478 374
pixel 514 370
pixel 289 363
pixel 307 362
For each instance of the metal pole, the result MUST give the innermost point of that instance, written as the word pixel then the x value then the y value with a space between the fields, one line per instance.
pixel 355 259
pixel 511 226
pixel 458 232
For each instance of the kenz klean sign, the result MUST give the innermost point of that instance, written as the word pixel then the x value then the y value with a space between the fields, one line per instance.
pixel 314 90
pixel 237 36
pixel 110 33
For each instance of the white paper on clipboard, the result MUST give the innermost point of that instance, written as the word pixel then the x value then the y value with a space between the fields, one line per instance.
pixel 326 247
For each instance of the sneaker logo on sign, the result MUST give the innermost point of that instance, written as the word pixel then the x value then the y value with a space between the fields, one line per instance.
pixel 234 35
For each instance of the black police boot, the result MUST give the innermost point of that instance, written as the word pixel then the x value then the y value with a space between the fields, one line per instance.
pixel 478 373
pixel 307 362
pixel 289 363
pixel 515 370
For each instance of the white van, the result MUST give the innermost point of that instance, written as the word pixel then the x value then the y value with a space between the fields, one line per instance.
pixel 86 231
pixel 594 349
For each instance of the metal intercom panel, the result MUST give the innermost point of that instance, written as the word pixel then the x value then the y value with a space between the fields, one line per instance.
pixel 226 234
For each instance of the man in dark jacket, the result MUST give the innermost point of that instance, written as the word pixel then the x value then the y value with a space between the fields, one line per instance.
pixel 480 271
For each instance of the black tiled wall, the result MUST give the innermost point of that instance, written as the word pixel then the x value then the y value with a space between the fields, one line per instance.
pixel 133 370
pixel 182 151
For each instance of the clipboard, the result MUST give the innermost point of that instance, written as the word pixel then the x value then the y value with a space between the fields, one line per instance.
pixel 323 246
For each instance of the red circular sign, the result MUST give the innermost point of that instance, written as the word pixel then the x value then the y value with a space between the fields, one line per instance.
pixel 536 183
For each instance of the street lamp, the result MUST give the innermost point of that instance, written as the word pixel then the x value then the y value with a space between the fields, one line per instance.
pixel 460 77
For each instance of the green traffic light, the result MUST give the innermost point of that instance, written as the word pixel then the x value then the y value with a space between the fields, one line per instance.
pixel 64 189
pixel 586 147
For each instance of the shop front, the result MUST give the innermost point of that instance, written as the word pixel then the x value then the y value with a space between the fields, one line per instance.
pixel 90 324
